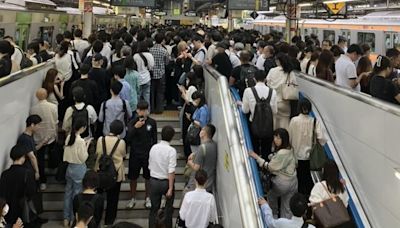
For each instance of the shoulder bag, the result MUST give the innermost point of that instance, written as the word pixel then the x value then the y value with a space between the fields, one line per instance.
pixel 318 157
pixel 188 170
pixel 289 89
pixel 193 135
pixel 330 212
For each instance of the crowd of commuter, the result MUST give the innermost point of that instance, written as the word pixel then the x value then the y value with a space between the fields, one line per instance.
pixel 94 108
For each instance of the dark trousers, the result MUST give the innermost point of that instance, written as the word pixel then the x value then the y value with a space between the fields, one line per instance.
pixel 158 188
pixel 304 178
pixel 157 95
pixel 52 163
pixel 171 92
pixel 262 146
pixel 112 204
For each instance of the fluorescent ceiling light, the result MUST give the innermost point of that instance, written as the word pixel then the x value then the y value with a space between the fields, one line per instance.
pixel 337 1
pixel 305 4
pixel 397 173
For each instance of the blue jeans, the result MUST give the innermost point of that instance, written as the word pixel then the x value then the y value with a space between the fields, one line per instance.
pixel 144 92
pixel 73 176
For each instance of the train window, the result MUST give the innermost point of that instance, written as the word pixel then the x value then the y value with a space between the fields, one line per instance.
pixel 329 35
pixel 346 33
pixel 396 40
pixel 388 41
pixel 367 38
pixel 2 33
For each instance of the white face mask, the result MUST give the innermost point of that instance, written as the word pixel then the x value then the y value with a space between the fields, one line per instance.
pixel 6 208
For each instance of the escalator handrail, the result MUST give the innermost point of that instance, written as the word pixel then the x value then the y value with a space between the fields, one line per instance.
pixel 249 146
pixel 24 73
pixel 388 107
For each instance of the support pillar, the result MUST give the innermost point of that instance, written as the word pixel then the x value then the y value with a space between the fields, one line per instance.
pixel 293 13
pixel 87 18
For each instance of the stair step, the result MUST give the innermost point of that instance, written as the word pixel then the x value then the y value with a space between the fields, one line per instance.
pixel 58 205
pixel 60 188
pixel 143 222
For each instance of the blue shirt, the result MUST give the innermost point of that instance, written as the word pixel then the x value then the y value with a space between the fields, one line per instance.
pixel 126 90
pixel 114 110
pixel 271 222
pixel 132 78
pixel 202 115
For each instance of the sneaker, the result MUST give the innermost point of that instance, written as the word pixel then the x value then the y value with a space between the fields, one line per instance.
pixel 66 223
pixel 147 204
pixel 131 204
pixel 43 187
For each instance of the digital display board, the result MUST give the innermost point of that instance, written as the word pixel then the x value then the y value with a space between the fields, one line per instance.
pixel 247 4
pixel 137 3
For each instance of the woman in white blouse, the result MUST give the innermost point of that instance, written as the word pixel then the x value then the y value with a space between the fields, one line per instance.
pixel 312 64
pixel 275 79
pixel 75 154
pixel 330 182
pixel 301 130
pixel 145 63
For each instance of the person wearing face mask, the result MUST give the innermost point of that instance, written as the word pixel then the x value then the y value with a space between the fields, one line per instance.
pixel 16 183
pixel 380 86
pixel 282 165
pixel 4 211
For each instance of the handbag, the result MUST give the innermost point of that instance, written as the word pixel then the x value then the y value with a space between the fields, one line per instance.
pixel 289 89
pixel 193 135
pixel 266 179
pixel 330 212
pixel 28 211
pixel 318 157
pixel 188 170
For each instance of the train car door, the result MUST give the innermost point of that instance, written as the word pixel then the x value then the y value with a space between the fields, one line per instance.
pixel 22 35
pixel 346 34
pixel 46 33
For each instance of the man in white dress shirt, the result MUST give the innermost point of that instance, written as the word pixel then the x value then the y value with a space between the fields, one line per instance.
pixel 198 207
pixel 298 206
pixel 162 163
pixel 262 146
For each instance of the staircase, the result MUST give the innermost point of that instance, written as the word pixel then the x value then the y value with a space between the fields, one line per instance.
pixel 54 194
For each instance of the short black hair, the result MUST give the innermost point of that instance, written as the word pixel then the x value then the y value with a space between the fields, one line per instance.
pixel 199 95
pixel 210 130
pixel 97 46
pixel 33 119
pixel 85 68
pixel 167 133
pixel 120 71
pixel 260 75
pixel 90 180
pixel 355 48
pixel 298 204
pixel 159 37
pixel 85 212
pixel 78 33
pixel 116 87
pixel 128 39
pixel 336 51
pixel 305 106
pixel 68 35
pixel 116 127
pixel 18 151
pixel 392 53
pixel 34 46
pixel 78 94
pixel 201 177
pixel 130 63
pixel 142 105
pixel 197 37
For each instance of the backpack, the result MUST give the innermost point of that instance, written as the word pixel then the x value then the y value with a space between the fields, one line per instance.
pixel 269 63
pixel 25 61
pixel 247 77
pixel 107 172
pixel 81 114
pixel 262 125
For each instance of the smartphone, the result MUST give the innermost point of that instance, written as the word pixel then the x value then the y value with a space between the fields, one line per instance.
pixel 141 118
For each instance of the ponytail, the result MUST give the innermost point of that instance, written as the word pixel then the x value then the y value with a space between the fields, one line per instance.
pixel 79 123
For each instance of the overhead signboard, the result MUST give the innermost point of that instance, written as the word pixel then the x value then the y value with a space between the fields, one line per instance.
pixel 137 3
pixel 247 4
pixel 335 8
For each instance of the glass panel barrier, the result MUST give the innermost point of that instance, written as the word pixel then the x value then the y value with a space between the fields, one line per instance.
pixel 16 97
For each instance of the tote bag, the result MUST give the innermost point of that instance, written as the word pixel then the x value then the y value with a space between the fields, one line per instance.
pixel 318 157
pixel 289 89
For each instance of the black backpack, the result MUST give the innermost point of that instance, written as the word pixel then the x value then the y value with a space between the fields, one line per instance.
pixel 82 114
pixel 107 172
pixel 262 125
pixel 25 61
pixel 247 77
pixel 269 63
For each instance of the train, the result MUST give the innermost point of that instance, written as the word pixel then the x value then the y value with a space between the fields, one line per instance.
pixel 26 25
pixel 380 30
